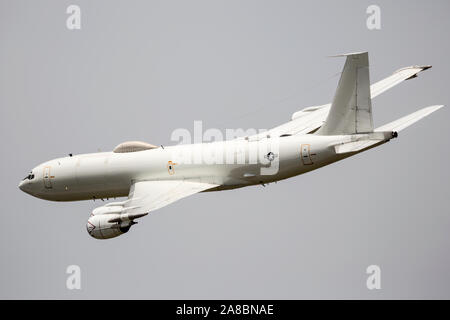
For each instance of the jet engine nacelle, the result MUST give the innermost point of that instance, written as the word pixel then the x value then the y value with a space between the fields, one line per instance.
pixel 111 220
pixel 106 226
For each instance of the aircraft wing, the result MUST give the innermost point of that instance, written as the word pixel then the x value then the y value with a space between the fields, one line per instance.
pixel 312 118
pixel 116 218
pixel 408 120
pixel 396 78
pixel 147 196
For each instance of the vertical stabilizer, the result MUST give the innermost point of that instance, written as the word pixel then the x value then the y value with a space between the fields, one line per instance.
pixel 351 109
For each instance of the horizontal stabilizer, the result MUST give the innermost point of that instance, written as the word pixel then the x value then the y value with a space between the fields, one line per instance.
pixel 355 146
pixel 361 142
pixel 408 120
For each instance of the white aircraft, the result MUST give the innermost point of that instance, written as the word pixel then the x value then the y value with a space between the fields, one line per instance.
pixel 152 177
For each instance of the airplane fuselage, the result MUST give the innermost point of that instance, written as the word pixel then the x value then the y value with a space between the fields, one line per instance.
pixel 109 175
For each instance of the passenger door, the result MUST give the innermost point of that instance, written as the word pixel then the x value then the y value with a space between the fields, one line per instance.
pixel 306 154
pixel 47 181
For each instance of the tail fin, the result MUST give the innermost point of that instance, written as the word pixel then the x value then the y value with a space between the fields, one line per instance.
pixel 408 120
pixel 351 110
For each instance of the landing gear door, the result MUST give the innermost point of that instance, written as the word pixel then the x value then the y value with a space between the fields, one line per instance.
pixel 306 154
pixel 47 181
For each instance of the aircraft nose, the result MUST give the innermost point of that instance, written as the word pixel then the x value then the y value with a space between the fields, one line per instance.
pixel 22 185
pixel 30 184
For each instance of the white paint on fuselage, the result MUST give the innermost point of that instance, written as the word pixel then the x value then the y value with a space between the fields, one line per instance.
pixel 110 175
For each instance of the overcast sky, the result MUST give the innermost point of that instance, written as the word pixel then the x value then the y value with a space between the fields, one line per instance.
pixel 137 70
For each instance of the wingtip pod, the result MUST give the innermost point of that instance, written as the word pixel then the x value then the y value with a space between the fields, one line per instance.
pixel 412 70
pixel 421 68
pixel 408 120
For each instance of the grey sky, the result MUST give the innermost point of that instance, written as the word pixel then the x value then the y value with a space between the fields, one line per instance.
pixel 137 70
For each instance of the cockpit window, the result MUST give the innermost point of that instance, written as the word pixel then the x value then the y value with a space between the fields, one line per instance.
pixel 29 177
